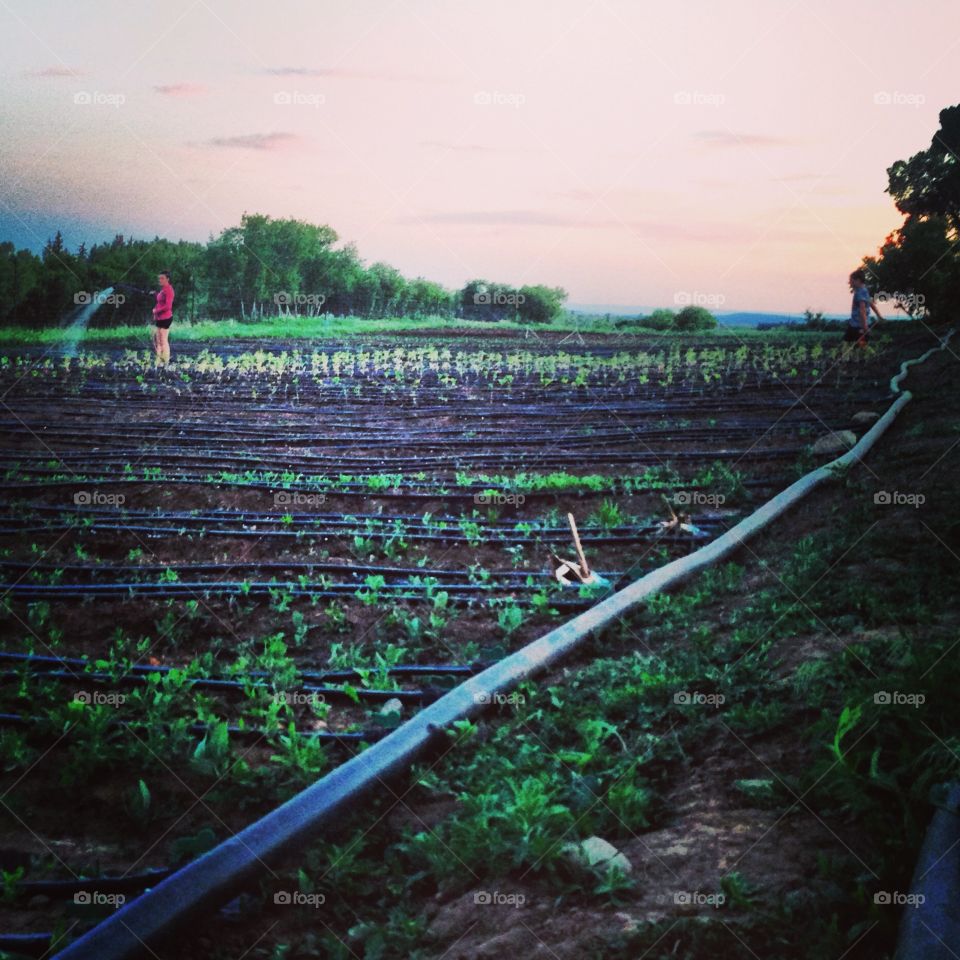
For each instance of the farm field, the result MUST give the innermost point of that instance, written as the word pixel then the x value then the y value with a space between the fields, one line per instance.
pixel 223 578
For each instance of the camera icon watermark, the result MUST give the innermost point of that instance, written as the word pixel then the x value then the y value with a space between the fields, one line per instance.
pixel 908 302
pixel 84 298
pixel 696 898
pixel 897 98
pixel 488 98
pixel 696 298
pixel 693 698
pixel 299 698
pixel 498 899
pixel 297 98
pixel 493 498
pixel 499 299
pixel 293 498
pixel 895 698
pixel 296 898
pixel 697 498
pixel 90 498
pixel 100 699
pixel 500 699
pixel 894 898
pixel 95 898
pixel 86 98
pixel 286 299
pixel 896 498
pixel 697 98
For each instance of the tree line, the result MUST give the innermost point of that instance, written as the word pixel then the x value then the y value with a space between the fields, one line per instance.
pixel 263 267
pixel 918 265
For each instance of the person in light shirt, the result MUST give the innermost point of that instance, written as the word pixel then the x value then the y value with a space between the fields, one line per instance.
pixel 858 326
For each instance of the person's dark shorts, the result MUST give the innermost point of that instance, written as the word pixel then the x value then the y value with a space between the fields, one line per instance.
pixel 852 334
pixel 164 324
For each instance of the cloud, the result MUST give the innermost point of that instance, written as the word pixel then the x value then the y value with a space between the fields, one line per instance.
pixel 254 141
pixel 56 72
pixel 727 138
pixel 180 89
pixel 521 218
pixel 459 147
pixel 340 73
pixel 805 176
pixel 661 230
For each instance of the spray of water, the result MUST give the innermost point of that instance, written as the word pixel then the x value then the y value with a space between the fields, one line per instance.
pixel 77 325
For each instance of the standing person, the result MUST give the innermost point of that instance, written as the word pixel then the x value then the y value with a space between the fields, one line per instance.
pixel 858 327
pixel 163 317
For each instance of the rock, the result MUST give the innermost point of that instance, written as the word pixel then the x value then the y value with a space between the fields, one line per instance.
pixel 597 852
pixel 837 441
pixel 392 706
pixel 864 416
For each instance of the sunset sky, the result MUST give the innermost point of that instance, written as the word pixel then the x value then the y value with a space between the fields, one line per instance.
pixel 630 152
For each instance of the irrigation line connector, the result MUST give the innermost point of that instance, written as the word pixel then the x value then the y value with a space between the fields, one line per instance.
pixel 220 874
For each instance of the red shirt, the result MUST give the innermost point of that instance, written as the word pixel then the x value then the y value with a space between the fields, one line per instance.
pixel 164 308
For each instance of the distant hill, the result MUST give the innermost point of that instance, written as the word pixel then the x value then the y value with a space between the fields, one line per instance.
pixel 743 318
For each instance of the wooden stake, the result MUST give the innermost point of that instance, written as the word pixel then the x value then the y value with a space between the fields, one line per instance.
pixel 576 543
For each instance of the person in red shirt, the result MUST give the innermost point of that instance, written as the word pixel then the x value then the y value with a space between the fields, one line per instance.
pixel 163 317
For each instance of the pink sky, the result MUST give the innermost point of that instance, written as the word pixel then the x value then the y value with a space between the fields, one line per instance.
pixel 630 152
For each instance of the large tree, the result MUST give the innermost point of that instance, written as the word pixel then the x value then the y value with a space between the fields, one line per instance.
pixel 919 264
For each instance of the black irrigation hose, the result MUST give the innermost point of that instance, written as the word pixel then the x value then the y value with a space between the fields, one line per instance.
pixel 251 516
pixel 201 729
pixel 236 414
pixel 503 459
pixel 113 444
pixel 354 570
pixel 462 593
pixel 638 535
pixel 408 669
pixel 64 889
pixel 26 944
pixel 211 683
pixel 407 491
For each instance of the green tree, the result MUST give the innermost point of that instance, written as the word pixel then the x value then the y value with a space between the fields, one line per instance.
pixel 695 318
pixel 919 264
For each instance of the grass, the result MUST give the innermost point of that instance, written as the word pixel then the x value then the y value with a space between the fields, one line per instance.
pixel 314 327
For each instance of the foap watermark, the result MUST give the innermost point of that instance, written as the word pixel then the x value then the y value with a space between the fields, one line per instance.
pixel 286 299
pixel 84 298
pixel 697 98
pixel 897 98
pixel 696 898
pixel 696 298
pixel 87 498
pixel 493 498
pixel 98 698
pixel 896 698
pixel 498 98
pixel 498 899
pixel 96 898
pixel 295 898
pixel 87 98
pixel 686 697
pixel 293 498
pixel 908 302
pixel 697 498
pixel 299 698
pixel 297 98
pixel 499 299
pixel 894 898
pixel 898 498
pixel 500 699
